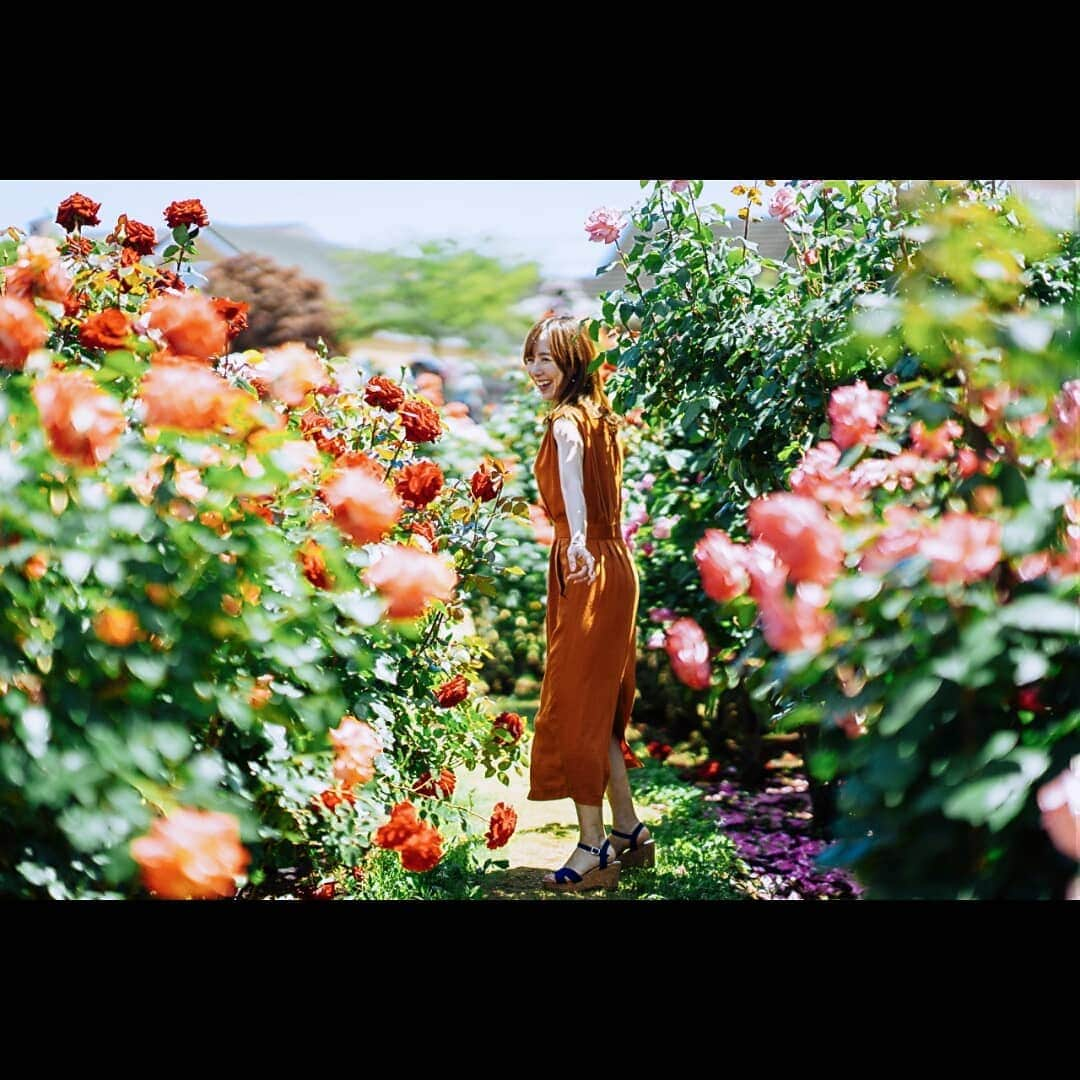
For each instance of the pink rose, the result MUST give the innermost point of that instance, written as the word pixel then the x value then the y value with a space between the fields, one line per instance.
pixel 679 185
pixel 854 412
pixel 1066 433
pixel 688 650
pixel 963 548
pixel 1059 801
pixel 782 204
pixel 604 225
pixel 795 624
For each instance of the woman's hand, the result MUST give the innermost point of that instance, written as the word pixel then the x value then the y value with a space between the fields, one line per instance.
pixel 582 563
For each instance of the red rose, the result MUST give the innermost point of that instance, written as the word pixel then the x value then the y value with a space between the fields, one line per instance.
pixel 422 851
pixel 502 825
pixel 1028 698
pixel 421 421
pixel 77 210
pixel 109 329
pixel 419 483
pixel 402 824
pixel 486 483
pixel 510 722
pixel 331 798
pixel 186 212
pixel 445 785
pixel 453 692
pixel 658 749
pixel 384 393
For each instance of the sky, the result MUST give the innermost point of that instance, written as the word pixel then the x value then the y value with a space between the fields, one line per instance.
pixel 531 219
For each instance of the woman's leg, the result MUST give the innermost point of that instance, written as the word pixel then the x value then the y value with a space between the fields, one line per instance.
pixel 591 826
pixel 623 815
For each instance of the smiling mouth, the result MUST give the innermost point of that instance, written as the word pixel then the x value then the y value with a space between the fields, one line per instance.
pixel 543 385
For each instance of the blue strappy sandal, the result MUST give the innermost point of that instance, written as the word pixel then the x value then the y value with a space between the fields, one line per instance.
pixel 604 876
pixel 636 854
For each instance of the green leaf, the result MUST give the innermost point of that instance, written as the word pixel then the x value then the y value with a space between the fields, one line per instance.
pixel 150 670
pixel 907 703
pixel 999 793
pixel 1028 531
pixel 1042 613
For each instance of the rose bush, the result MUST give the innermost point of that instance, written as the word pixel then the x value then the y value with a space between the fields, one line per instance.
pixel 206 670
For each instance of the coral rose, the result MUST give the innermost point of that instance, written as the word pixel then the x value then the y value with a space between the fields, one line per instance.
pixel 402 824
pixel 410 579
pixel 364 508
pixel 424 531
pixel 21 331
pixel 720 563
pixel 801 534
pixel 191 855
pixel 962 548
pixel 794 624
pixel 289 373
pixel 135 235
pixel 234 312
pixel 501 826
pixel 1066 432
pixel 937 443
pixel 190 324
pixel 356 745
pixel 191 397
pixel 82 422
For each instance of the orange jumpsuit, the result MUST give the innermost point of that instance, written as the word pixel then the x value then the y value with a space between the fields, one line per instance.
pixel 589 677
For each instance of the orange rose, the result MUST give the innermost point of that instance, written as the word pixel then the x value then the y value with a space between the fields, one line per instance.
pixel 133 235
pixel 78 246
pixel 190 324
pixel 356 745
pixel 410 579
pixel 364 508
pixel 234 312
pixel 186 212
pixel 419 483
pixel 420 420
pixel 21 331
pixel 36 566
pixel 108 329
pixel 118 627
pixel 82 422
pixel 191 855
pixel 384 393
pixel 311 558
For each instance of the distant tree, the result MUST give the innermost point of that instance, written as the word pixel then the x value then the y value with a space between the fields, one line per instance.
pixel 285 305
pixel 445 291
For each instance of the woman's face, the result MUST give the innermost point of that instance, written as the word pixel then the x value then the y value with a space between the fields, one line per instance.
pixel 542 369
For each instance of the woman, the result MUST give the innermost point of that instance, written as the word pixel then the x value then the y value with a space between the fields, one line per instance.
pixel 579 747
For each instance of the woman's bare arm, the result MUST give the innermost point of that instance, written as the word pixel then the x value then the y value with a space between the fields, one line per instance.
pixel 571 451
